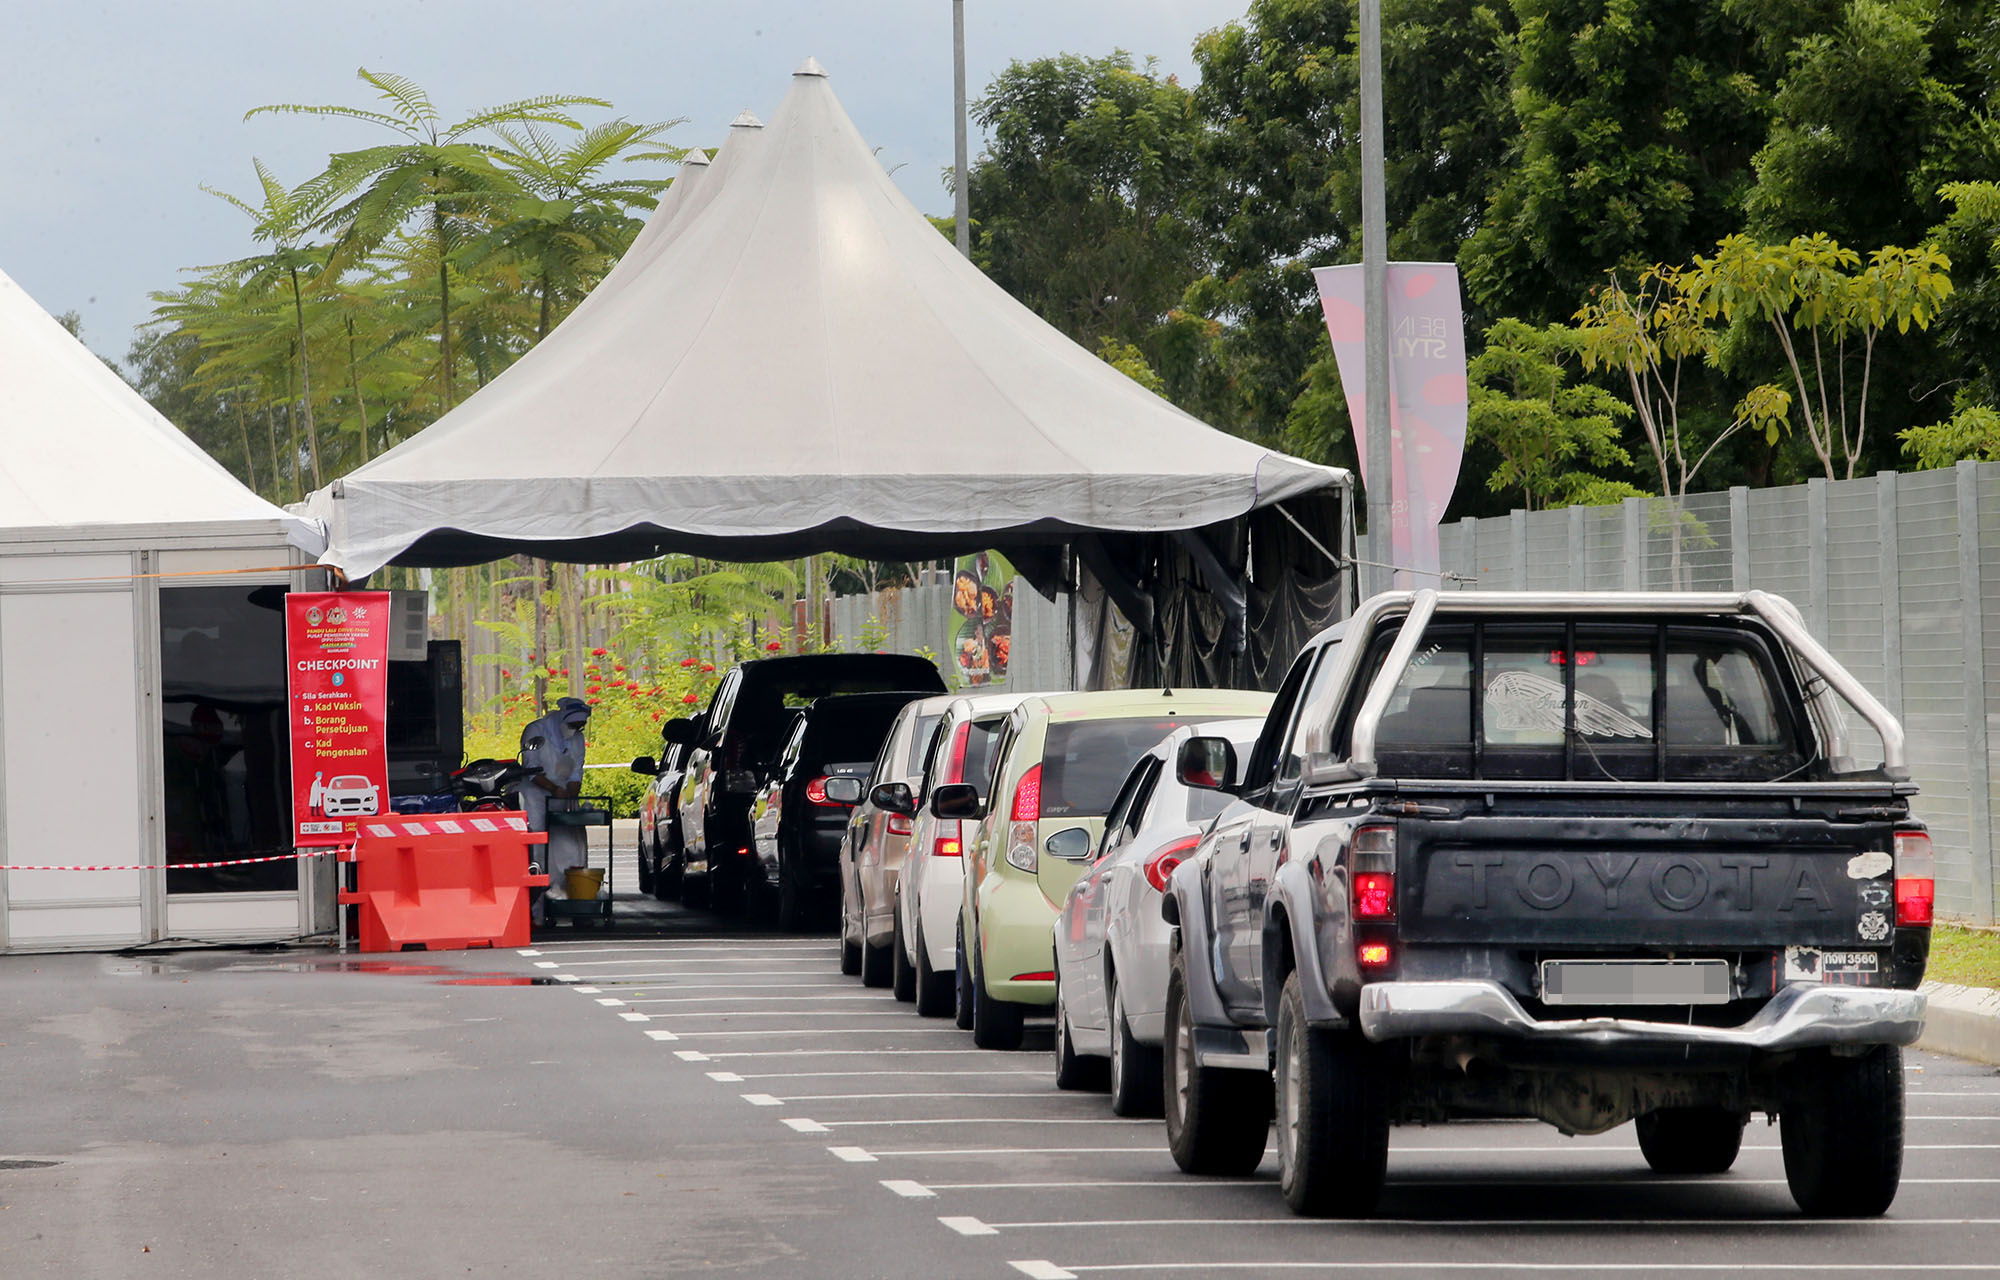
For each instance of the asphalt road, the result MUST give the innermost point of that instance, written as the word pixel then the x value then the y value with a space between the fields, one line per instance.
pixel 719 1099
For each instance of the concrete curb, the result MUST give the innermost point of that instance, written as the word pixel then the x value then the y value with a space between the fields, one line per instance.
pixel 1962 1021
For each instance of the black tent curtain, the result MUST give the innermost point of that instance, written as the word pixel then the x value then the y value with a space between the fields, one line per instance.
pixel 1292 589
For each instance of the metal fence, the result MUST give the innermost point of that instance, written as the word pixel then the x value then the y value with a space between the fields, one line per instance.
pixel 1898 574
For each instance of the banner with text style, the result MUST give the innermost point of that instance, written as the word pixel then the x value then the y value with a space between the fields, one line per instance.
pixel 337 658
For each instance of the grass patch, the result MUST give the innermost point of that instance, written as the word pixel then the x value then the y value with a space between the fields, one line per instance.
pixel 1968 957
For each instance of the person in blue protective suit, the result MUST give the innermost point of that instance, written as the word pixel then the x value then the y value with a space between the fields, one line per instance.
pixel 554 744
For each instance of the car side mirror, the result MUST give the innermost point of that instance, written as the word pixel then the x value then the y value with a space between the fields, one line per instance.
pixel 893 797
pixel 1206 764
pixel 1071 844
pixel 646 765
pixel 843 790
pixel 956 800
pixel 679 731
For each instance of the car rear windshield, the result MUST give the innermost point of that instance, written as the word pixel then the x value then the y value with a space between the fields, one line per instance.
pixel 1084 762
pixel 1587 701
pixel 847 731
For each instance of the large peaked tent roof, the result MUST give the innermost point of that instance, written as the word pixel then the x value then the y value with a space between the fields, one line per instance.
pixel 85 452
pixel 797 362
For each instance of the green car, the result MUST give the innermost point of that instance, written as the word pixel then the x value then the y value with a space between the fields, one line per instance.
pixel 1058 765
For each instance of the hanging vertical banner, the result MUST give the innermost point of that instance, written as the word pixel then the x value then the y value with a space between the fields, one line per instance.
pixel 982 636
pixel 337 659
pixel 1427 402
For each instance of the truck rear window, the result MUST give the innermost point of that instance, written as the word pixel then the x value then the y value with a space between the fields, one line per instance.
pixel 1603 701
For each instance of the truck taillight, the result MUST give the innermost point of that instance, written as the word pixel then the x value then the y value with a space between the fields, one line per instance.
pixel 1160 867
pixel 1028 796
pixel 1372 955
pixel 1916 878
pixel 1372 870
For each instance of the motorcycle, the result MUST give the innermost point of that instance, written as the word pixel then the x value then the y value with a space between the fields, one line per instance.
pixel 490 784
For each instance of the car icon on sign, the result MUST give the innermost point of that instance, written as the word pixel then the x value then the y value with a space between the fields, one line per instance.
pixel 352 796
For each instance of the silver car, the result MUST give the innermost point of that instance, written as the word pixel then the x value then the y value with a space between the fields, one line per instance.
pixel 1112 956
pixel 871 854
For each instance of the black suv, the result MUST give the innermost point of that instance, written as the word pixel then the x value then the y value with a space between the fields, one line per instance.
pixel 734 746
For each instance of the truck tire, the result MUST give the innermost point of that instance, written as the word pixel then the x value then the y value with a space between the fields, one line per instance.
pixel 1690 1140
pixel 1333 1115
pixel 936 991
pixel 961 984
pixel 1135 1067
pixel 1073 1070
pixel 902 976
pixel 1217 1120
pixel 1841 1123
pixel 996 1024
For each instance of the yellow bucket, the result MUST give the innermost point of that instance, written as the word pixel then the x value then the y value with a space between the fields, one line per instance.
pixel 583 883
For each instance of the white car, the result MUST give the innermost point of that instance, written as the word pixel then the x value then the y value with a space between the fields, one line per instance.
pixel 877 840
pixel 351 796
pixel 1112 946
pixel 933 877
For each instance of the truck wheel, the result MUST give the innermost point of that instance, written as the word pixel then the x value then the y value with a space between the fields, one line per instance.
pixel 1073 1070
pixel 961 985
pixel 1217 1120
pixel 996 1024
pixel 1135 1067
pixel 936 991
pixel 902 977
pixel 1841 1124
pixel 1690 1140
pixel 1333 1115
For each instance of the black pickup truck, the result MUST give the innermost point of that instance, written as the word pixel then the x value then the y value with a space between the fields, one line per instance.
pixel 1584 858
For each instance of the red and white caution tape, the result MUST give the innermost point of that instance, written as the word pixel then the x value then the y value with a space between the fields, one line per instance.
pixel 192 866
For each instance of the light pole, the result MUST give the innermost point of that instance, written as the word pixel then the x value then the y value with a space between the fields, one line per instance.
pixel 1374 302
pixel 960 206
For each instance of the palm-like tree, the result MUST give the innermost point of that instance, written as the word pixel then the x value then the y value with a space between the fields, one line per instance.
pixel 434 173
pixel 570 220
pixel 283 219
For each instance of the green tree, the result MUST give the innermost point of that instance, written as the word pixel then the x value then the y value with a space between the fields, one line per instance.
pixel 434 179
pixel 1972 432
pixel 1553 437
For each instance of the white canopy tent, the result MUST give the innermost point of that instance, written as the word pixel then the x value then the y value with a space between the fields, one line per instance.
pixel 793 360
pixel 128 563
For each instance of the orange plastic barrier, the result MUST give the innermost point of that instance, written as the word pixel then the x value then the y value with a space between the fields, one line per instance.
pixel 443 883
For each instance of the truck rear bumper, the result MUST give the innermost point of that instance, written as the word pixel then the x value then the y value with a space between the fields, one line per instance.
pixel 1800 1016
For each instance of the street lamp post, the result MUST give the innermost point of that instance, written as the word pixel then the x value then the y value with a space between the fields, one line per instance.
pixel 960 204
pixel 1374 302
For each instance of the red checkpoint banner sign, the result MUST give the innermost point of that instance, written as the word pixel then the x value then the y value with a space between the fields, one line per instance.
pixel 337 660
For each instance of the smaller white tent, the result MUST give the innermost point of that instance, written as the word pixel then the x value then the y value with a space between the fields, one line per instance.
pixel 128 559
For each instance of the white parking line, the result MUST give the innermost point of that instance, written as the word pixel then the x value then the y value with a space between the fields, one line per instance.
pixel 801 1124
pixel 764 1013
pixel 849 1053
pixel 675 982
pixel 662 1035
pixel 969 1226
pixel 867 1097
pixel 607 1000
pixel 1042 1269
pixel 909 1190
pixel 530 952
pixel 751 946
pixel 547 964
pixel 1481 1224
pixel 825 1031
pixel 585 991
pixel 853 1155
pixel 762 1100
pixel 635 1017
pixel 567 977
pixel 1261 1184
pixel 1031 1151
pixel 690 1055
pixel 866 1124
pixel 725 1077
pixel 957 1072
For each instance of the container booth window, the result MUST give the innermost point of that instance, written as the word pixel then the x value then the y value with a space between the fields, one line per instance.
pixel 227 756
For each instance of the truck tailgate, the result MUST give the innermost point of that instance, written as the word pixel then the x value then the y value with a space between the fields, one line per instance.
pixel 1594 882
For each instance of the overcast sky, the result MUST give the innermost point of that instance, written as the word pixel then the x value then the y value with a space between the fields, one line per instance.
pixel 116 112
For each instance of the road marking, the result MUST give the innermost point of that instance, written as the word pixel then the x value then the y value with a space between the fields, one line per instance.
pixel 802 1125
pixel 751 946
pixel 847 1053
pixel 606 1000
pixel 620 979
pixel 567 977
pixel 547 964
pixel 853 1155
pixel 690 1055
pixel 909 1190
pixel 1530 1180
pixel 781 1013
pixel 824 1031
pixel 635 1017
pixel 969 1226
pixel 1052 1272
pixel 935 1071
pixel 868 1097
pixel 713 999
pixel 1580 1149
pixel 725 1077
pixel 858 1124
pixel 762 1100
pixel 1259 1183
pixel 1485 1224
pixel 585 991
pixel 1039 1151
pixel 529 952
pixel 662 1035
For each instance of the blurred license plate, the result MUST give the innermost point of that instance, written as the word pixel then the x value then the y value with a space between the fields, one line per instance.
pixel 1635 981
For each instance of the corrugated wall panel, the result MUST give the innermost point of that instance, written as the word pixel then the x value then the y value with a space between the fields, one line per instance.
pixel 1931 636
pixel 1548 551
pixel 1855 576
pixel 1604 549
pixel 1778 543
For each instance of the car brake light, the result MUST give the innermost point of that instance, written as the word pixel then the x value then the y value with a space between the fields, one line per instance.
pixel 1916 878
pixel 1028 795
pixel 955 770
pixel 816 793
pixel 947 847
pixel 1373 871
pixel 1045 976
pixel 1161 865
pixel 900 825
pixel 1373 955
